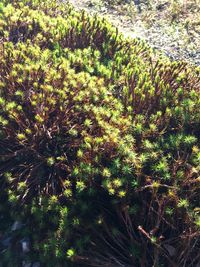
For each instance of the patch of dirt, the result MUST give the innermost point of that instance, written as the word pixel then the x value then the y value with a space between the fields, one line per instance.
pixel 173 39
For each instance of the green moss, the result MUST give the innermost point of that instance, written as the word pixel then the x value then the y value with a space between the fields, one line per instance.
pixel 99 143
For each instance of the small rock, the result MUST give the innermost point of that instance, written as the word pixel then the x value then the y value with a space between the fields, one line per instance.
pixel 36 264
pixel 16 226
pixel 25 245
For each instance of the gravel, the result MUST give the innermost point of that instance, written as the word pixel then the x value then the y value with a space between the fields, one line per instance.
pixel 172 40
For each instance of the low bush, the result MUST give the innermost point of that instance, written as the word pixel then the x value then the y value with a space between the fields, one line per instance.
pixel 99 144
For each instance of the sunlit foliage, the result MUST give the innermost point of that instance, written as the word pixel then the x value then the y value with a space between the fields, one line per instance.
pixel 99 142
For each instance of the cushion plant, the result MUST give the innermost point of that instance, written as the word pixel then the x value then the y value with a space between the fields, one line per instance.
pixel 99 143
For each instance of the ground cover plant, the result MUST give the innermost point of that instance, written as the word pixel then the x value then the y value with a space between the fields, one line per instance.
pixel 99 144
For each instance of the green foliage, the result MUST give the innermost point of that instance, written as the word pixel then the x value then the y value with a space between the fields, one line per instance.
pixel 99 142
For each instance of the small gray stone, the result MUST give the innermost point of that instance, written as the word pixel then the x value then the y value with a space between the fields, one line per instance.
pixel 16 226
pixel 25 245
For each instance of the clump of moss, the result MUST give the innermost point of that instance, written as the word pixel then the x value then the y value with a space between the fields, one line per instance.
pixel 99 142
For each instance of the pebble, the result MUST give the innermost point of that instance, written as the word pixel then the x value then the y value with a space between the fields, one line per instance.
pixel 17 225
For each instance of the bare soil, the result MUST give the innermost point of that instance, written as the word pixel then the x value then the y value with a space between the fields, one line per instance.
pixel 176 40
